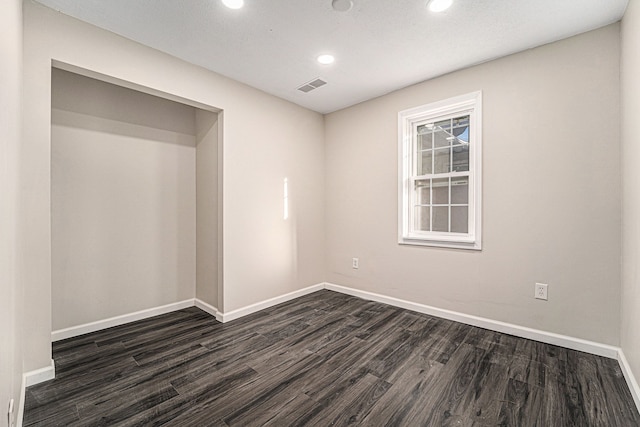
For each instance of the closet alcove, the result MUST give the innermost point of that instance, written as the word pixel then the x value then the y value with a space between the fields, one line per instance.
pixel 134 201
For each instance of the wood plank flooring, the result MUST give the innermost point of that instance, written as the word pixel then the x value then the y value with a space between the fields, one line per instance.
pixel 323 359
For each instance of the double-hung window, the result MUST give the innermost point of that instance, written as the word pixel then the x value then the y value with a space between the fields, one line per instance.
pixel 440 153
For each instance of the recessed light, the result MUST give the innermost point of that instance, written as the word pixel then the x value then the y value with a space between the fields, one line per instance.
pixel 326 59
pixel 342 5
pixel 440 5
pixel 233 4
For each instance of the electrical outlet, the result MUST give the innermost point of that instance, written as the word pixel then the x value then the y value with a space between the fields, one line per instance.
pixel 355 263
pixel 541 291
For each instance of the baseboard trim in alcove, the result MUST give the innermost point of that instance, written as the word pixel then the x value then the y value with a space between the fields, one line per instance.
pixel 208 308
pixel 249 309
pixel 98 325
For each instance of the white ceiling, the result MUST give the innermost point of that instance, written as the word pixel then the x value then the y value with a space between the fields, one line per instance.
pixel 379 45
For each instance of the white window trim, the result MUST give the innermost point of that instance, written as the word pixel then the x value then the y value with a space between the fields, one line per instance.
pixel 407 119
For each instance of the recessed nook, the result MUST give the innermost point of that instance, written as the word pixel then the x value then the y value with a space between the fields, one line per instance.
pixel 134 201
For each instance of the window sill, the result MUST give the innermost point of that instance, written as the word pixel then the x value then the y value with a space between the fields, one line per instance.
pixel 472 245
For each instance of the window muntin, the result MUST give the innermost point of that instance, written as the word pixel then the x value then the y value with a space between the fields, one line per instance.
pixel 439 149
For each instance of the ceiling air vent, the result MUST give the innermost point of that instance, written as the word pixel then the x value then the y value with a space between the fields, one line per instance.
pixel 313 84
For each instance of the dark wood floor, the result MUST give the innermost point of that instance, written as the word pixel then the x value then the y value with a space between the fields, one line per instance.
pixel 324 359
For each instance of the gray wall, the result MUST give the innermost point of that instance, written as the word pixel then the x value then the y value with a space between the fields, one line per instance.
pixel 551 193
pixel 11 343
pixel 123 200
pixel 630 325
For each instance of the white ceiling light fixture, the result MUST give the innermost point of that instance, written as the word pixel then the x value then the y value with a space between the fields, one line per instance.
pixel 342 5
pixel 439 5
pixel 233 4
pixel 326 59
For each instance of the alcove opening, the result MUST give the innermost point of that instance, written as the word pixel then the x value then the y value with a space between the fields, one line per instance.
pixel 135 201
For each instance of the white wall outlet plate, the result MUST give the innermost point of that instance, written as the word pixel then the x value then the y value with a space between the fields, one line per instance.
pixel 355 263
pixel 541 291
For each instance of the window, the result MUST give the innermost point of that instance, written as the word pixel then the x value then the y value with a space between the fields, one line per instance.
pixel 440 152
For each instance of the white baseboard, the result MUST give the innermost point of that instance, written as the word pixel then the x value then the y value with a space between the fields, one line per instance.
pixel 86 328
pixel 244 311
pixel 209 309
pixel 47 373
pixel 494 325
pixel 40 375
pixel 75 331
pixel 630 378
pixel 23 389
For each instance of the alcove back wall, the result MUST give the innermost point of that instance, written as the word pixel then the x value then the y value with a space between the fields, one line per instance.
pixel 123 198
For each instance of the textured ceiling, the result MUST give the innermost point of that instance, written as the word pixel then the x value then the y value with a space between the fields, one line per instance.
pixel 379 45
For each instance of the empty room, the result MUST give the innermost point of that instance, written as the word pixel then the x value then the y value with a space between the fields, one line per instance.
pixel 312 213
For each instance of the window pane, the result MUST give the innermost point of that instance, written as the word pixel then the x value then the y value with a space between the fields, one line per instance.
pixel 442 160
pixel 442 133
pixel 423 190
pixel 424 162
pixel 443 125
pixel 462 135
pixel 460 191
pixel 459 219
pixel 461 121
pixel 461 129
pixel 421 218
pixel 424 138
pixel 440 218
pixel 442 139
pixel 461 158
pixel 441 191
